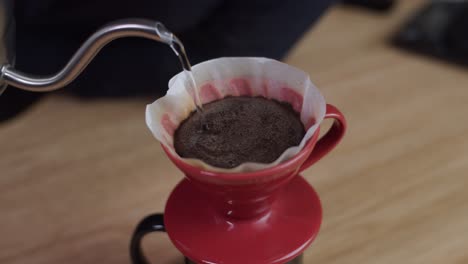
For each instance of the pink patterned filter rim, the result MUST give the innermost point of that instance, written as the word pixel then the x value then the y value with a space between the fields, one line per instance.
pixel 244 76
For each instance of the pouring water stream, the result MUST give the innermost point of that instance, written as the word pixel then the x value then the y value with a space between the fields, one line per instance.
pixel 178 48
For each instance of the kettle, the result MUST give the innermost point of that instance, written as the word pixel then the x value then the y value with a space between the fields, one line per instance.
pixel 144 28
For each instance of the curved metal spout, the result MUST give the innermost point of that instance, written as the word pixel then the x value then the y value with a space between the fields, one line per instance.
pixel 122 28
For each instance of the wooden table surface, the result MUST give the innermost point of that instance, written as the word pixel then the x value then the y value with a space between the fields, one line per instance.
pixel 77 176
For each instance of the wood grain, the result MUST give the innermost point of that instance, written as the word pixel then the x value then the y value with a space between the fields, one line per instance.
pixel 76 176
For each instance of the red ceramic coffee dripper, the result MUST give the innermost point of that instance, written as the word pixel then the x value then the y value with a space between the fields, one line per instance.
pixel 261 217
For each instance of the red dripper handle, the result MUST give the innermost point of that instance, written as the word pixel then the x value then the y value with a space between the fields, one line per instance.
pixel 330 139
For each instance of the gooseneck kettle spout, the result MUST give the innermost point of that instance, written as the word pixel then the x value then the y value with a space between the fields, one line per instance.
pixel 119 29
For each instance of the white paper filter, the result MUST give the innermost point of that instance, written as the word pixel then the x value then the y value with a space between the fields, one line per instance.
pixel 223 77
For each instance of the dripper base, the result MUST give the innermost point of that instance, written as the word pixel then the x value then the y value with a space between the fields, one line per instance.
pixel 205 236
pixel 297 260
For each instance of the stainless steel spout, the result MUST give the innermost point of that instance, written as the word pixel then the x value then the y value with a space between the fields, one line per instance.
pixel 119 29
